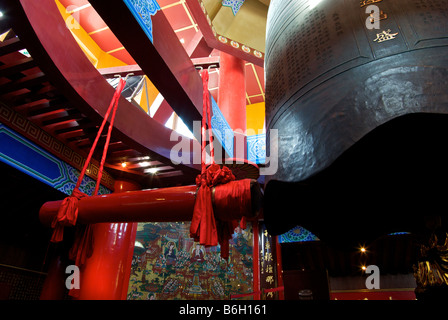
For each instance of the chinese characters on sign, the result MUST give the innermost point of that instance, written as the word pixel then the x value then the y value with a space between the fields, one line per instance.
pixel 373 21
pixel 384 36
pixel 268 269
pixel 364 3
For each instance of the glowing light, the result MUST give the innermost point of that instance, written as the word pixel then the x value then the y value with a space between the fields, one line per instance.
pixel 155 105
pixel 363 267
pixel 25 53
pixel 123 164
pixel 314 3
pixel 363 250
pixel 151 170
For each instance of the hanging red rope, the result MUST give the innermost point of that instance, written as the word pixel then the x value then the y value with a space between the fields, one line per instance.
pixel 68 211
pixel 204 228
pixel 203 225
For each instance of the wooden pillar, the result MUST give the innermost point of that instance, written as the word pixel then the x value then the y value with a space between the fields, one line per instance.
pixel 278 254
pixel 54 285
pixel 105 275
pixel 232 91
pixel 256 261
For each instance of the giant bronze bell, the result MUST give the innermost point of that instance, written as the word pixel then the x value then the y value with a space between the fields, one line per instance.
pixel 361 114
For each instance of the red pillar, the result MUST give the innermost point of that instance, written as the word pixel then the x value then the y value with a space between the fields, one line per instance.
pixel 105 275
pixel 54 285
pixel 278 251
pixel 256 261
pixel 232 91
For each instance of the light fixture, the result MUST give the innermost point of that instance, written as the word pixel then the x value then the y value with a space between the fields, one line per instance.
pixel 151 170
pixel 363 268
pixel 363 250
pixel 1 14
pixel 123 164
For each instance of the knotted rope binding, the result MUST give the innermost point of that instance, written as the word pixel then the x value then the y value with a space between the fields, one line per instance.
pixel 68 211
pixel 205 228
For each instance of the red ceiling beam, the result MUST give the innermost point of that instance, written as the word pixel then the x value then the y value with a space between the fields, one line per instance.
pixel 20 99
pixel 206 62
pixel 25 82
pixel 62 60
pixel 10 45
pixel 198 47
pixel 17 66
pixel 122 71
pixel 137 71
pixel 163 113
pixel 164 60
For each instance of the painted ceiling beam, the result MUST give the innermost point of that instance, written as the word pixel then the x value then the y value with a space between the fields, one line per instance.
pixel 137 71
pixel 122 71
pixel 212 42
pixel 60 57
pixel 198 47
pixel 206 62
pixel 164 60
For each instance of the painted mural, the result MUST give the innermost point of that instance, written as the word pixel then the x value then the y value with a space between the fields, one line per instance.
pixel 168 265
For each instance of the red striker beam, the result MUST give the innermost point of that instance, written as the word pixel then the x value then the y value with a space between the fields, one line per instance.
pixel 159 205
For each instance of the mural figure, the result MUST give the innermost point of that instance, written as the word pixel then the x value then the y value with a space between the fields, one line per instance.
pixel 171 266
pixel 197 254
pixel 170 254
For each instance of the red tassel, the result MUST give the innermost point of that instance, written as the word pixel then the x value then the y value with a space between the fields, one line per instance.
pixel 83 246
pixel 67 215
pixel 203 225
pixel 204 228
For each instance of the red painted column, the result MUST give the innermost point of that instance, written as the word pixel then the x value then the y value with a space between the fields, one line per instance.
pixel 105 275
pixel 256 261
pixel 232 91
pixel 278 250
pixel 54 285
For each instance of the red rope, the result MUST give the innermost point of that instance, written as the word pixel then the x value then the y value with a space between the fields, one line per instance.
pixel 112 106
pixel 203 224
pixel 206 116
pixel 68 212
pixel 205 228
pixel 209 118
pixel 115 100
